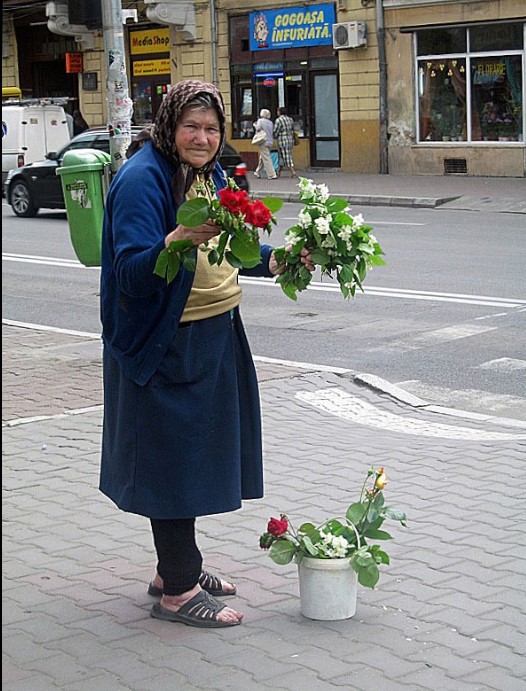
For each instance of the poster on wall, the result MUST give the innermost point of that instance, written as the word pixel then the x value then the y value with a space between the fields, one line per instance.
pixel 292 27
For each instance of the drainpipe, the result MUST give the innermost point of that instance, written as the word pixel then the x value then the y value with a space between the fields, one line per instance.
pixel 213 33
pixel 120 106
pixel 382 64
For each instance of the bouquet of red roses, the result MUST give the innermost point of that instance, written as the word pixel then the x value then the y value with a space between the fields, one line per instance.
pixel 240 220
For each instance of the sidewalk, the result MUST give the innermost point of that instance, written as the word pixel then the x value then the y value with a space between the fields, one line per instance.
pixel 448 613
pixel 507 195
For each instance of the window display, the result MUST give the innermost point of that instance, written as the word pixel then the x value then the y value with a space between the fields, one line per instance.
pixel 468 96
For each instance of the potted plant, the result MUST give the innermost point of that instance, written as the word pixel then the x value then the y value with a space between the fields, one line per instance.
pixel 336 555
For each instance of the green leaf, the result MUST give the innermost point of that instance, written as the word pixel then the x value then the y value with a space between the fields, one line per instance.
pixel 369 576
pixel 173 267
pixel 282 551
pixel 380 556
pixel 188 261
pixel 308 528
pixel 213 257
pixel 377 534
pixel 290 290
pixel 194 212
pixel 161 264
pixel 335 204
pixel 233 260
pixel 246 252
pixel 356 512
pixel 273 204
pixel 394 514
pixel 308 546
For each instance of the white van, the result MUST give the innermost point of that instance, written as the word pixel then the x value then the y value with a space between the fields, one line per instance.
pixel 30 130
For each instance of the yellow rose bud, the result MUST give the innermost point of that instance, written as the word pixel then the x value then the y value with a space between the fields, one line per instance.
pixel 381 481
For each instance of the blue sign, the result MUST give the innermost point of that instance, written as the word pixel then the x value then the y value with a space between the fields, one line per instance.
pixel 293 27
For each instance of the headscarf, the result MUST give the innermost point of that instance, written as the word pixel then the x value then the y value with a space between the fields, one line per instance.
pixel 163 132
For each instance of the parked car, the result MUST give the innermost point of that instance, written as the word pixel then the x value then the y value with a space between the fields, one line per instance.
pixel 37 186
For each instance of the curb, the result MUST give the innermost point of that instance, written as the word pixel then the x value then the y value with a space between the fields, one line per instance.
pixel 382 386
pixel 365 200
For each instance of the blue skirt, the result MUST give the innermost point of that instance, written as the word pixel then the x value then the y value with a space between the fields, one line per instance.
pixel 188 443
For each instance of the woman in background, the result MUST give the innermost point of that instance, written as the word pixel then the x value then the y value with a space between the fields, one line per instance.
pixel 264 161
pixel 284 133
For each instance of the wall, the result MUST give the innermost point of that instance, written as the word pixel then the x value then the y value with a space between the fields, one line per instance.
pixel 406 157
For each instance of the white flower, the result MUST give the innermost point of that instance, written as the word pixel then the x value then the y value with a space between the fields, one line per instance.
pixel 328 242
pixel 292 238
pixel 345 233
pixel 307 189
pixel 323 225
pixel 304 218
pixel 358 220
pixel 323 192
pixel 334 546
pixel 372 238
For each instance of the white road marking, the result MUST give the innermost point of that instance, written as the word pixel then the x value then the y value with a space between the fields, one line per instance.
pixel 402 293
pixel 345 406
pixel 504 364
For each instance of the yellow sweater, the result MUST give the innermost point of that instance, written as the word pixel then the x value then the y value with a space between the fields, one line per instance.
pixel 215 289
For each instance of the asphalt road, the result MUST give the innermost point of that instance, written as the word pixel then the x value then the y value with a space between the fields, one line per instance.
pixel 444 319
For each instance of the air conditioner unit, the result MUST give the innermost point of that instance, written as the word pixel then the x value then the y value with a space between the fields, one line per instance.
pixel 349 35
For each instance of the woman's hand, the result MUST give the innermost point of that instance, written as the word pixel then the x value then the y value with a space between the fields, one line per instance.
pixel 306 260
pixel 198 235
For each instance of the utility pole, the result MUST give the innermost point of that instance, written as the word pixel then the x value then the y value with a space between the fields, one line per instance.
pixel 120 106
pixel 382 63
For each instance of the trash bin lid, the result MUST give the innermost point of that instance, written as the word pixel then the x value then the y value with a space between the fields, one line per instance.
pixel 83 160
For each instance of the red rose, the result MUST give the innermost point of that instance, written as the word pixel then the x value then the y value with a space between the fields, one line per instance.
pixel 277 527
pixel 258 215
pixel 233 200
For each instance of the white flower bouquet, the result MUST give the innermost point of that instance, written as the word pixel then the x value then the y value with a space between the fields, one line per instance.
pixel 339 243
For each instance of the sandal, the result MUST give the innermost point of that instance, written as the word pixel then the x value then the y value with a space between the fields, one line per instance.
pixel 201 610
pixel 207 581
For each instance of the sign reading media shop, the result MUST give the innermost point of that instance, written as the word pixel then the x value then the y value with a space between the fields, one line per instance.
pixel 145 43
pixel 293 27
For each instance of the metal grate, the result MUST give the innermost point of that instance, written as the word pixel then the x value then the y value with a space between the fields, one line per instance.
pixel 455 166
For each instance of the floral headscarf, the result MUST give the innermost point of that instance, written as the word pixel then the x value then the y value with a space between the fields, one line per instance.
pixel 163 131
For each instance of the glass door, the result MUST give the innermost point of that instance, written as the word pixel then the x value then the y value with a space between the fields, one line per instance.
pixel 325 120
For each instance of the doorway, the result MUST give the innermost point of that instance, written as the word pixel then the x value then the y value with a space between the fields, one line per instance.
pixel 325 120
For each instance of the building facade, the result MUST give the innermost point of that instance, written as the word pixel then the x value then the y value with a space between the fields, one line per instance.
pixel 420 87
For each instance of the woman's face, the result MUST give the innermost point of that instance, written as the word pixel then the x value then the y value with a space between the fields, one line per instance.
pixel 197 136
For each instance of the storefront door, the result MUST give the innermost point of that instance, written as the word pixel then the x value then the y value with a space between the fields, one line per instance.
pixel 325 120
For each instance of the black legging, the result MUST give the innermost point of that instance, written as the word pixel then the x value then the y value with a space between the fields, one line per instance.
pixel 179 559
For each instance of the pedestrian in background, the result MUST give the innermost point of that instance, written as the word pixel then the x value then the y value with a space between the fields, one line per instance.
pixel 284 133
pixel 265 124
pixel 182 419
pixel 79 124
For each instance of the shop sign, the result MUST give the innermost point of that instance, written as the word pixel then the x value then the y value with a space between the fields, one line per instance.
pixel 293 27
pixel 73 63
pixel 150 41
pixel 143 68
pixel 489 73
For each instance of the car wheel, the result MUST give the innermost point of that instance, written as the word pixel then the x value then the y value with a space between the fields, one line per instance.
pixel 20 200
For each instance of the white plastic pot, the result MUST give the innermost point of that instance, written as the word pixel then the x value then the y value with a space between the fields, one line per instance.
pixel 328 589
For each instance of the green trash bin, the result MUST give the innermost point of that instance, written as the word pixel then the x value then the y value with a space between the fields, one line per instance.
pixel 85 176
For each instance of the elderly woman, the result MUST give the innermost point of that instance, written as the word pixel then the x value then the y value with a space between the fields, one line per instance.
pixel 264 161
pixel 182 426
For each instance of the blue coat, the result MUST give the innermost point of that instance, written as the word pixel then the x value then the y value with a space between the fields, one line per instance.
pixel 182 430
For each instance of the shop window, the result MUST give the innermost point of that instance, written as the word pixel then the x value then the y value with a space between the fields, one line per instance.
pixel 496 111
pixel 270 79
pixel 442 100
pixel 471 97
pixel 439 41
